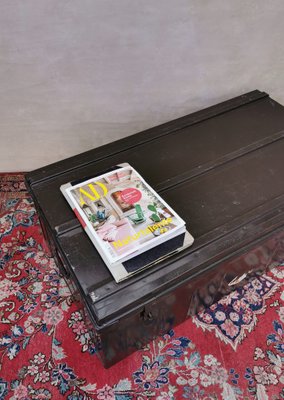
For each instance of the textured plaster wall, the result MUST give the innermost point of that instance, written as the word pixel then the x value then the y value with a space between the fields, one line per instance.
pixel 78 74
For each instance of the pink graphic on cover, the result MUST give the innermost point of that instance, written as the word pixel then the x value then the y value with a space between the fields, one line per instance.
pixel 131 195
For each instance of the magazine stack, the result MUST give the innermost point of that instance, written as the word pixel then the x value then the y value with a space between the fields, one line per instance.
pixel 130 225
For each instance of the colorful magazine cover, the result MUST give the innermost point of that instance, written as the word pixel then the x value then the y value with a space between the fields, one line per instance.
pixel 122 214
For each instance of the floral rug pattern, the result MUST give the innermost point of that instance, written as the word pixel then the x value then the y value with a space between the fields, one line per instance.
pixel 232 350
pixel 236 314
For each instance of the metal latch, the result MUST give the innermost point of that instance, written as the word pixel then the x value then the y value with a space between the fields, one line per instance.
pixel 146 315
pixel 238 279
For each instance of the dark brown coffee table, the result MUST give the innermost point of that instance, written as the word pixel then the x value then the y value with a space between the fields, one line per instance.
pixel 222 170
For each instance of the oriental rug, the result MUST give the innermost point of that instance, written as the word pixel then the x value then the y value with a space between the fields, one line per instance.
pixel 232 350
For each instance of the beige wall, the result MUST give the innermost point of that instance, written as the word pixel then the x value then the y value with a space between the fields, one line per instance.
pixel 77 74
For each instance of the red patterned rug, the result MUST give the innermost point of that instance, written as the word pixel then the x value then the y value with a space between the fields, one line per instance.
pixel 233 350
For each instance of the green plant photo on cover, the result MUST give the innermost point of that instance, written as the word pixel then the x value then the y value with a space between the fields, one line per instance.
pixel 155 217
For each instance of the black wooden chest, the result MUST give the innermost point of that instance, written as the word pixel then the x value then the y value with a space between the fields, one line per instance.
pixel 222 170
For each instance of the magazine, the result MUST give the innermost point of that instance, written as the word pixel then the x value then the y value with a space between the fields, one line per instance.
pixel 124 217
